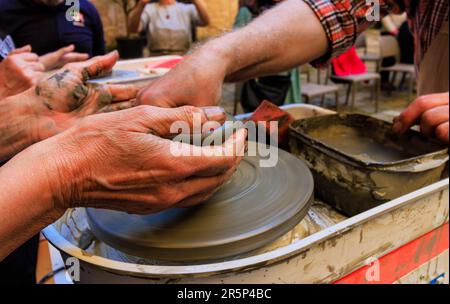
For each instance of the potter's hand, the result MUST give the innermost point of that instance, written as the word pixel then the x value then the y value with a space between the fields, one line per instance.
pixel 431 112
pixel 65 97
pixel 59 102
pixel 61 57
pixel 196 81
pixel 19 71
pixel 121 161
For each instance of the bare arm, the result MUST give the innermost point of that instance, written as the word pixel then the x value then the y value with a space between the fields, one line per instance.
pixel 291 34
pixel 287 36
pixel 134 20
pixel 202 11
pixel 25 201
pixel 279 42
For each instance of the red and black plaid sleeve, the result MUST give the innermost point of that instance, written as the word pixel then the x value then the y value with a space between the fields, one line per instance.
pixel 343 20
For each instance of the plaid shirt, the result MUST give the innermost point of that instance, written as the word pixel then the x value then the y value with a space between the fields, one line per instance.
pixel 343 20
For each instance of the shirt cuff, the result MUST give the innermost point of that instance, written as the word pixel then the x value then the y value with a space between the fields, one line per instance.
pixel 339 23
pixel 343 20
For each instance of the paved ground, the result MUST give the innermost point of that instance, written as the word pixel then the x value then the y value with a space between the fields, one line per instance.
pixel 389 105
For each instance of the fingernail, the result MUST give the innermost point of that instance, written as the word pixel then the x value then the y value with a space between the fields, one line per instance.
pixel 214 113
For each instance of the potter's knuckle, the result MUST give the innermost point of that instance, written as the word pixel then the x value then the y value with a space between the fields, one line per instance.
pixel 170 195
pixel 139 111
pixel 146 111
pixel 181 169
pixel 421 103
pixel 427 117
pixel 442 131
pixel 188 112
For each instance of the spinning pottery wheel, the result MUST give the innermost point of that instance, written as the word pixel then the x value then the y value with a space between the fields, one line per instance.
pixel 257 206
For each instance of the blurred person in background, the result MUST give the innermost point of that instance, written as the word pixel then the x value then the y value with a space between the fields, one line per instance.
pixel 248 9
pixel 280 88
pixel 168 24
pixel 392 22
pixel 49 25
pixel 397 25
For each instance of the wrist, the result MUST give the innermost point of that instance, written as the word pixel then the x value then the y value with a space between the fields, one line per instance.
pixel 28 183
pixel 220 56
pixel 61 169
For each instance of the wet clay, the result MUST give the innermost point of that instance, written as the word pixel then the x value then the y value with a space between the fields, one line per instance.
pixel 352 142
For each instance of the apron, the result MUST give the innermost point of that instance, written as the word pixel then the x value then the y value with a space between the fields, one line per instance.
pixel 167 40
pixel 433 71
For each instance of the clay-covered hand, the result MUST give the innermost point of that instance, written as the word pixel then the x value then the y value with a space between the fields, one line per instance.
pixel 122 161
pixel 19 71
pixel 65 97
pixel 61 57
pixel 196 81
pixel 431 112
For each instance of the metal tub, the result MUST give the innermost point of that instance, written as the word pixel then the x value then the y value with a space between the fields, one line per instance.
pixel 354 183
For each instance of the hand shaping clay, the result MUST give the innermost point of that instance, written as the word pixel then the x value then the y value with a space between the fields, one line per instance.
pixel 257 206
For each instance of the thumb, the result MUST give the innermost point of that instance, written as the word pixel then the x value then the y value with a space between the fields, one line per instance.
pixel 66 49
pixel 100 65
pixel 96 66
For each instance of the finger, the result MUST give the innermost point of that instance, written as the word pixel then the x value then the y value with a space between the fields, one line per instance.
pixel 433 118
pixel 173 121
pixel 75 57
pixel 105 95
pixel 190 160
pixel 100 65
pixel 118 106
pixel 25 49
pixel 442 132
pixel 66 49
pixel 122 92
pixel 161 197
pixel 29 57
pixel 195 199
pixel 411 115
pixel 203 194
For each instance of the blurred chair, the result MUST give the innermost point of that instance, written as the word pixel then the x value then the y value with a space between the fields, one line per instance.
pixel 353 81
pixel 305 70
pixel 312 90
pixel 361 43
pixel 389 48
